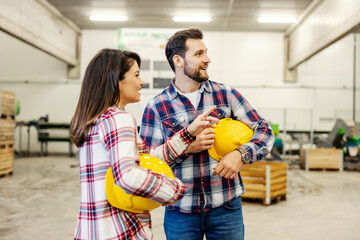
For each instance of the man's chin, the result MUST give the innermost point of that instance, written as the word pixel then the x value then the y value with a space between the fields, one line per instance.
pixel 200 80
pixel 198 77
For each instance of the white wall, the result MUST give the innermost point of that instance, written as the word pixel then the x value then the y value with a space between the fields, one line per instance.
pixel 330 73
pixel 40 85
pixel 251 62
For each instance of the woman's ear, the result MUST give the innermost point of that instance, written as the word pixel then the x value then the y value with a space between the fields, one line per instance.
pixel 178 61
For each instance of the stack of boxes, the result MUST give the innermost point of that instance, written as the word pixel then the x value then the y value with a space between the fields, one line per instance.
pixel 7 132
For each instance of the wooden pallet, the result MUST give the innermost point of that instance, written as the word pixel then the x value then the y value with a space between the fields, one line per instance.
pixel 321 158
pixel 265 180
pixel 6 158
pixel 7 131
pixel 7 104
pixel 260 201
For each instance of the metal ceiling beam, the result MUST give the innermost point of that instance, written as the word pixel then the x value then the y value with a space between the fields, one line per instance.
pixel 323 23
pixel 41 25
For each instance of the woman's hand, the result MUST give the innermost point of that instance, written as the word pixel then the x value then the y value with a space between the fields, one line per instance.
pixel 202 122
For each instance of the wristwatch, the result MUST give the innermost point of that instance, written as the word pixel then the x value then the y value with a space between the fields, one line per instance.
pixel 245 155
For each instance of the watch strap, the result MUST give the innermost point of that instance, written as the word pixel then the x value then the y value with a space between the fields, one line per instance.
pixel 245 156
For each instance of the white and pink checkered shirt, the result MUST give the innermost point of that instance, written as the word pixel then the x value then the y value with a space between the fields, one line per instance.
pixel 114 142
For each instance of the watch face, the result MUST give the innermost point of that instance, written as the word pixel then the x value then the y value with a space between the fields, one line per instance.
pixel 246 157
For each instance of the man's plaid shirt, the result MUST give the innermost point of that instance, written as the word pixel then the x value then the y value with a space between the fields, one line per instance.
pixel 170 112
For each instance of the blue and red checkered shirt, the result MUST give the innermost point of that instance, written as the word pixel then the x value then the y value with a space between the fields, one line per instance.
pixel 170 112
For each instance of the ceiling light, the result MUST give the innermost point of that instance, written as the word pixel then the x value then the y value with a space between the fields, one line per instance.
pixel 108 18
pixel 276 19
pixel 192 19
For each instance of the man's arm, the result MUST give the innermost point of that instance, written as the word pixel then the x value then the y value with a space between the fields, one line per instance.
pixel 258 147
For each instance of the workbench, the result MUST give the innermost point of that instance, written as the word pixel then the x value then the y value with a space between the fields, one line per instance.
pixel 45 136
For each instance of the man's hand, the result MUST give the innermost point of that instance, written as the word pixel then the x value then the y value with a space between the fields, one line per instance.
pixel 204 141
pixel 202 122
pixel 229 165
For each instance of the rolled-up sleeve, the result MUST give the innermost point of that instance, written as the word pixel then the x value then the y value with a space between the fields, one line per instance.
pixel 263 139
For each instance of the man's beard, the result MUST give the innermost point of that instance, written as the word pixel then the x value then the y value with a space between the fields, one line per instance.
pixel 194 74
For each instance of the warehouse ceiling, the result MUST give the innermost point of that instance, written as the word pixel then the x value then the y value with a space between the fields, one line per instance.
pixel 227 15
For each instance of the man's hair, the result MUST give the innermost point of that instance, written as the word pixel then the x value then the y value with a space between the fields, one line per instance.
pixel 176 43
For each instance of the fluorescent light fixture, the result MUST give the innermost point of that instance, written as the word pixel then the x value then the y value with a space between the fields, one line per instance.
pixel 108 18
pixel 276 19
pixel 192 19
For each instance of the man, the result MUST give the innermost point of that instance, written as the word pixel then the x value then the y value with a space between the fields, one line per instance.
pixel 211 204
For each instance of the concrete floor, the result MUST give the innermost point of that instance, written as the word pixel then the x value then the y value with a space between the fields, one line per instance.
pixel 41 199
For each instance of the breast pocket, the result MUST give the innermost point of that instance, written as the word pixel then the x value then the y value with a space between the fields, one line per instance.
pixel 173 125
pixel 221 112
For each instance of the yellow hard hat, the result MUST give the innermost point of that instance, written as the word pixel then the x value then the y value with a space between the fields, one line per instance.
pixel 118 198
pixel 229 135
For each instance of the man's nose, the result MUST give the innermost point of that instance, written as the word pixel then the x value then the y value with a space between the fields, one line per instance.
pixel 206 59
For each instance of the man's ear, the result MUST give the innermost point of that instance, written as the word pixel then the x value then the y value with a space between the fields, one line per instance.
pixel 178 61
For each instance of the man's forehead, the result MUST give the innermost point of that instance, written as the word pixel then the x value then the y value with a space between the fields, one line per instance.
pixel 195 45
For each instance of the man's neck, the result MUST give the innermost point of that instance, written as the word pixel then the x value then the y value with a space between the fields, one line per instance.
pixel 185 84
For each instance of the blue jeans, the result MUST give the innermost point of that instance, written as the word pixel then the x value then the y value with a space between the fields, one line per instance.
pixel 225 222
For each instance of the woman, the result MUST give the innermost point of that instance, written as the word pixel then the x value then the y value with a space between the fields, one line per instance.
pixel 107 137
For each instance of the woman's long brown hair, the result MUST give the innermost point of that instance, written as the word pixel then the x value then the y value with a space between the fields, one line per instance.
pixel 100 89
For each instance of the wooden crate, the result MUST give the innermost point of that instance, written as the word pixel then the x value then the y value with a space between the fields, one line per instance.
pixel 7 131
pixel 321 158
pixel 265 180
pixel 7 104
pixel 6 158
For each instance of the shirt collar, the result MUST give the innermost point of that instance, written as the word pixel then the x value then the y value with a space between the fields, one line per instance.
pixel 174 92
